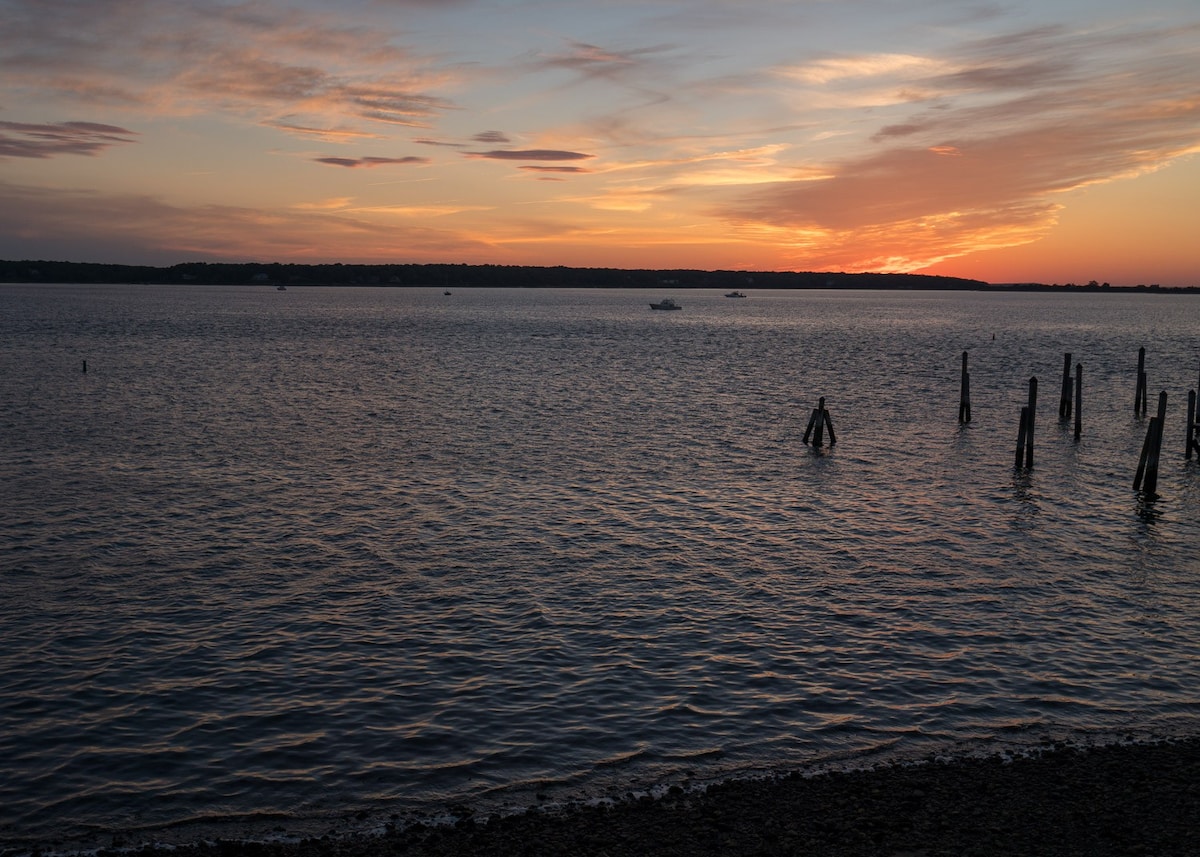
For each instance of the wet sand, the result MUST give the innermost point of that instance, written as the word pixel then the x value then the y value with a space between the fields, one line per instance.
pixel 1126 799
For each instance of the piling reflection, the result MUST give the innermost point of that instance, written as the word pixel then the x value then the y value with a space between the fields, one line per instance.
pixel 1028 509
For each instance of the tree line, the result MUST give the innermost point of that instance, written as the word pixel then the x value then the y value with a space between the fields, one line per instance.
pixel 464 275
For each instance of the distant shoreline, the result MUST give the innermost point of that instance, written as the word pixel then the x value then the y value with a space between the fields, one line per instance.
pixel 446 276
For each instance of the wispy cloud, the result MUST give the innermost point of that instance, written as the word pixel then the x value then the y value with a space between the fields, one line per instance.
pixel 832 70
pixel 27 140
pixel 540 169
pixel 593 62
pixel 529 155
pixel 370 161
pixel 340 134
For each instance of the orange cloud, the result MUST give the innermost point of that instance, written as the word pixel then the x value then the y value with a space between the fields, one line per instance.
pixel 1028 118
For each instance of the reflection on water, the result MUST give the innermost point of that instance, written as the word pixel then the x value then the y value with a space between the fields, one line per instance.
pixel 341 550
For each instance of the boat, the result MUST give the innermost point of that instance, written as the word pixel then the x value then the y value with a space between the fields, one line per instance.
pixel 447 294
pixel 735 294
pixel 281 288
pixel 666 303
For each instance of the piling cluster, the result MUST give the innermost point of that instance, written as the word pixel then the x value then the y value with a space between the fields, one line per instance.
pixel 1070 404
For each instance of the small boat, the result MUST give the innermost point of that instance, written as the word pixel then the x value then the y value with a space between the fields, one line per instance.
pixel 281 288
pixel 666 303
pixel 446 293
pixel 735 294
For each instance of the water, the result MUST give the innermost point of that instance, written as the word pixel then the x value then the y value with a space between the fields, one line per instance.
pixel 281 558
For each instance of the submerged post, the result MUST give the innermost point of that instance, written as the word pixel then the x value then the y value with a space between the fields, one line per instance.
pixel 1139 397
pixel 1078 400
pixel 1064 399
pixel 964 399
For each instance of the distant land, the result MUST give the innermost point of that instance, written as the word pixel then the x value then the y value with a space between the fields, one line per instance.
pixel 508 276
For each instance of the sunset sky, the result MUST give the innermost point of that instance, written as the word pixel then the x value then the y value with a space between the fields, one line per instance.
pixel 1050 140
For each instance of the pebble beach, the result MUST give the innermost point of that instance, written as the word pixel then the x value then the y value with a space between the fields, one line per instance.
pixel 1117 799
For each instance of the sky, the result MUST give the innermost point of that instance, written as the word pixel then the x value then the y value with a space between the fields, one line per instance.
pixel 1053 141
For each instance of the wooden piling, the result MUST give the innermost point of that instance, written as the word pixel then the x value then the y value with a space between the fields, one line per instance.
pixel 1079 400
pixel 1064 399
pixel 1146 478
pixel 1193 445
pixel 1022 436
pixel 1139 397
pixel 1025 432
pixel 1143 457
pixel 817 424
pixel 813 419
pixel 1033 385
pixel 964 399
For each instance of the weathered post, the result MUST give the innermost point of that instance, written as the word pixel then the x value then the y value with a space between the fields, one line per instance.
pixel 1160 421
pixel 1025 432
pixel 817 423
pixel 1064 399
pixel 1143 457
pixel 964 399
pixel 1139 397
pixel 1192 444
pixel 1078 400
pixel 1151 450
pixel 1031 420
pixel 1022 436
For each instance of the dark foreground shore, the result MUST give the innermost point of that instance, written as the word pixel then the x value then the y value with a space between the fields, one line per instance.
pixel 1116 799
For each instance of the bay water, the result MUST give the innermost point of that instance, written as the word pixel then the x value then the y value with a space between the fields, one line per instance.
pixel 282 559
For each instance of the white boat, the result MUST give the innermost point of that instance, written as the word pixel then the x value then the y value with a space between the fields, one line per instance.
pixel 665 303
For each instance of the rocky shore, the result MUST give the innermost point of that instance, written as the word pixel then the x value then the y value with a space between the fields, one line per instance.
pixel 1118 799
